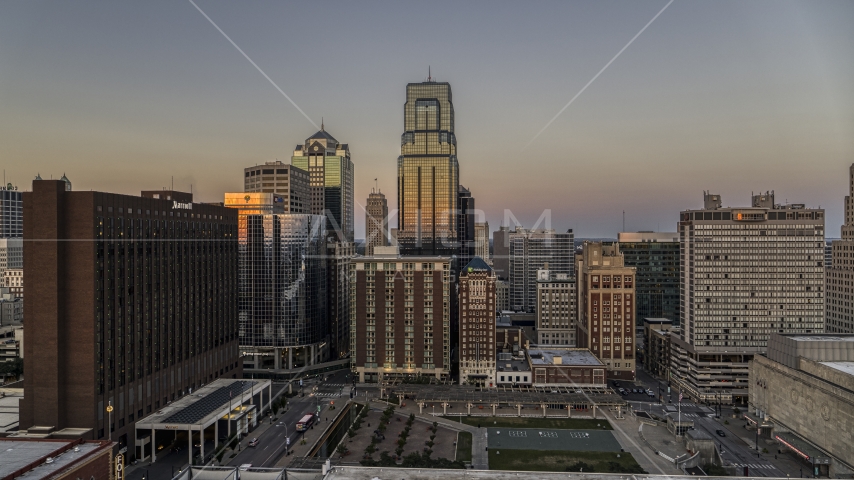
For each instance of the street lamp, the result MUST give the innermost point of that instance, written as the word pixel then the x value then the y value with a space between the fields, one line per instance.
pixel 110 426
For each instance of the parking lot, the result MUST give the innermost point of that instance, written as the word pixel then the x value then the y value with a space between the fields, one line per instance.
pixel 632 390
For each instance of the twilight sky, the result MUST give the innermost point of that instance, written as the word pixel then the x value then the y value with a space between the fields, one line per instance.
pixel 726 96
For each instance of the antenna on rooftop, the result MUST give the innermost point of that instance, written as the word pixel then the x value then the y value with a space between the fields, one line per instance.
pixel 429 76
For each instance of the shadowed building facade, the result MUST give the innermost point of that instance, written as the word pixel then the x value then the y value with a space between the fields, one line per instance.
pixel 132 303
pixel 428 172
pixel 477 323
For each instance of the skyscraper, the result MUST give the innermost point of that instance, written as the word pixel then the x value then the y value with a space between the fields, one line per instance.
pixel 286 181
pixel 465 226
pixel 131 300
pixel 330 181
pixel 556 309
pixel 655 255
pixel 481 241
pixel 501 252
pixel 428 172
pixel 532 250
pixel 839 308
pixel 745 273
pixel 477 324
pixel 376 222
pixel 11 212
pixel 606 308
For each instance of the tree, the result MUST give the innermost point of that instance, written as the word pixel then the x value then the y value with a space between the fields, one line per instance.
pixel 13 368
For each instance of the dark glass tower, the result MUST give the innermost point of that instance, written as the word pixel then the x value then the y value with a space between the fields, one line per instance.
pixel 428 172
pixel 465 226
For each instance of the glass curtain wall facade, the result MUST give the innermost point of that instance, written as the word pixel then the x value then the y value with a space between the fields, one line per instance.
pixel 11 212
pixel 330 181
pixel 282 299
pixel 428 172
pixel 656 258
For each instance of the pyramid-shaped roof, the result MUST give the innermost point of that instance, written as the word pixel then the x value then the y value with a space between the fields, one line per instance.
pixel 476 265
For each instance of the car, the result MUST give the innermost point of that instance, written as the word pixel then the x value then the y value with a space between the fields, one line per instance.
pixel 635 390
pixel 720 433
pixel 244 467
pixel 623 392
pixel 616 383
pixel 650 393
pixel 253 442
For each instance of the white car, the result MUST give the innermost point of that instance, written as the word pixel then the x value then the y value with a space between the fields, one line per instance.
pixel 245 467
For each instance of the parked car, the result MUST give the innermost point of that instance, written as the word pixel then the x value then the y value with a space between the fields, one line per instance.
pixel 650 393
pixel 623 392
pixel 244 467
pixel 253 442
pixel 616 383
pixel 720 433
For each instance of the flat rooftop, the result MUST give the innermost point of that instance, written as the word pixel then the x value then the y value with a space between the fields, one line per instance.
pixel 844 367
pixel 17 454
pixel 574 356
pixel 377 473
pixel 9 413
pixel 820 338
pixel 212 399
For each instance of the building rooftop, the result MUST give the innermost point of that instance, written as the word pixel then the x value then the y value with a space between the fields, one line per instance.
pixel 476 265
pixel 820 338
pixel 518 364
pixel 197 408
pixel 9 413
pixel 657 320
pixel 564 356
pixel 844 367
pixel 42 458
pixel 377 473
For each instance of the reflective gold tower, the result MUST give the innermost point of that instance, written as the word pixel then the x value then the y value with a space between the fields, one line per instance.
pixel 428 172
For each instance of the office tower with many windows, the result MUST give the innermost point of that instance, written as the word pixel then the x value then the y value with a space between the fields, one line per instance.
pixel 481 241
pixel 131 301
pixel 477 324
pixel 428 172
pixel 532 250
pixel 606 308
pixel 655 255
pixel 376 222
pixel 11 254
pixel 11 212
pixel 283 290
pixel 556 309
pixel 465 226
pixel 840 273
pixel 286 181
pixel 745 273
pixel 339 255
pixel 400 315
pixel 501 252
pixel 330 181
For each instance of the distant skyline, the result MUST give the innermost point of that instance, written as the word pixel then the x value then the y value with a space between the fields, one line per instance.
pixel 731 97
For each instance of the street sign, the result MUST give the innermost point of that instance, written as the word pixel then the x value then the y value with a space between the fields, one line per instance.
pixel 288 441
pixel 318 409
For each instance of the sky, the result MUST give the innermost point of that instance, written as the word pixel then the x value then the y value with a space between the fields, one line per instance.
pixel 728 96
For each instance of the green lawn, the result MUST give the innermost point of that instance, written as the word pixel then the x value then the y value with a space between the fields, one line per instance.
pixel 534 422
pixel 464 447
pixel 556 461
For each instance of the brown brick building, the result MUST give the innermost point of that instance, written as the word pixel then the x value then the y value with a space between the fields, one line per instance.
pixel 399 320
pixel 606 309
pixel 132 302
pixel 477 324
pixel 55 459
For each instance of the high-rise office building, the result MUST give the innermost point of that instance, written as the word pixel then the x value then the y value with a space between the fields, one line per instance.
pixel 283 290
pixel 330 181
pixel 255 203
pixel 465 226
pixel 532 250
pixel 400 318
pixel 339 255
pixel 481 241
pixel 556 309
pixel 376 222
pixel 502 295
pixel 11 212
pixel 288 182
pixel 477 324
pixel 501 252
pixel 655 255
pixel 11 254
pixel 428 172
pixel 745 273
pixel 606 308
pixel 840 288
pixel 136 311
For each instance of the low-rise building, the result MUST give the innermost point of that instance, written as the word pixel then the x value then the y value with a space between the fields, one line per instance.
pixel 11 308
pixel 39 458
pixel 656 346
pixel 569 367
pixel 719 377
pixel 13 280
pixel 513 369
pixel 802 392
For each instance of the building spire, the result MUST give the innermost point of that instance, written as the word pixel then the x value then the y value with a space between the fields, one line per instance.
pixel 321 125
pixel 429 76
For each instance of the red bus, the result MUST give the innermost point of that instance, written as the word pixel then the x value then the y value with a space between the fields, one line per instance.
pixel 305 423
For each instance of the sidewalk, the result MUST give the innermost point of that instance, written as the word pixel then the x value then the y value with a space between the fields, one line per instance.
pixel 626 433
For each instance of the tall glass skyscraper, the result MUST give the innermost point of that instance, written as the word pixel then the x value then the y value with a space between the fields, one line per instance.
pixel 428 172
pixel 330 181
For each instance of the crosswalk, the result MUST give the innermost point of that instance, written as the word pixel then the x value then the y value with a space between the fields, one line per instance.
pixel 754 465
pixel 335 384
pixel 327 394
